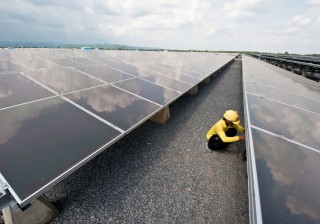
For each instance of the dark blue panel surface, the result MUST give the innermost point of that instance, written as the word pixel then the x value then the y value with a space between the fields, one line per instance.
pixel 289 180
pixel 42 140
pixel 169 82
pixel 132 70
pixel 104 73
pixel 65 62
pixel 17 89
pixel 83 61
pixel 148 90
pixel 114 105
pixel 63 80
pixel 6 66
pixel 292 99
pixel 292 123
pixel 302 90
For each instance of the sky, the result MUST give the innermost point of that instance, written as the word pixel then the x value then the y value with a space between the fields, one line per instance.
pixel 274 26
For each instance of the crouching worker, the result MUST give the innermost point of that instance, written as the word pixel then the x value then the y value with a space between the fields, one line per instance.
pixel 225 131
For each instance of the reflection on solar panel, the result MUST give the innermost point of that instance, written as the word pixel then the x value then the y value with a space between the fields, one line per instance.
pixel 283 117
pixel 60 108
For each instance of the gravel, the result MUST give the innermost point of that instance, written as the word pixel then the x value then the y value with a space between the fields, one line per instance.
pixel 163 173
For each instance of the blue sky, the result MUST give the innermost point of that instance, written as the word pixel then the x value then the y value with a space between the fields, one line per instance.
pixel 259 25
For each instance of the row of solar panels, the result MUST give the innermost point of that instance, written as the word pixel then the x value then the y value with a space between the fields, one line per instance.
pixel 307 64
pixel 305 67
pixel 282 113
pixel 300 58
pixel 60 108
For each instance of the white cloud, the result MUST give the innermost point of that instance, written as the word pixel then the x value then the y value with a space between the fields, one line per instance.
pixel 314 2
pixel 290 30
pixel 156 15
pixel 242 8
pixel 174 24
pixel 316 26
pixel 89 9
pixel 301 21
pixel 115 30
pixel 211 32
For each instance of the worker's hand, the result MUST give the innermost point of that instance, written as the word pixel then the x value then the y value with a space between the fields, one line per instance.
pixel 242 138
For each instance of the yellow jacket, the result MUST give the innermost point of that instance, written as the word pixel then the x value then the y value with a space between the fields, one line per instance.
pixel 220 128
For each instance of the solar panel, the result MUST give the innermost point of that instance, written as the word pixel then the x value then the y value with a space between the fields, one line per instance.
pixel 191 68
pixel 6 63
pixel 290 98
pixel 63 80
pixel 119 107
pixel 289 180
pixel 168 82
pixel 29 61
pixel 283 117
pixel 83 61
pixel 16 89
pixel 41 141
pixel 105 73
pixel 65 62
pixel 148 90
pixel 8 66
pixel 286 120
pixel 182 75
pixel 121 66
pixel 59 108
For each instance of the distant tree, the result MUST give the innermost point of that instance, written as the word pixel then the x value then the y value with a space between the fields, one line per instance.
pixel 286 52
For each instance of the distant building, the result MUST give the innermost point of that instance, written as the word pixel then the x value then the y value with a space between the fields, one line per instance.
pixel 87 48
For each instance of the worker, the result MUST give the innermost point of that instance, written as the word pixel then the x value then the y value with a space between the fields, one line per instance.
pixel 225 131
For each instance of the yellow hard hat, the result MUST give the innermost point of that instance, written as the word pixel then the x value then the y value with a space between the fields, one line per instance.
pixel 232 116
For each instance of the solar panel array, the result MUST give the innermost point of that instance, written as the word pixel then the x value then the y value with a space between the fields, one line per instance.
pixel 306 59
pixel 59 108
pixel 283 126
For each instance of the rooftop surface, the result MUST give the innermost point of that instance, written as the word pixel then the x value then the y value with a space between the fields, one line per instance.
pixel 163 173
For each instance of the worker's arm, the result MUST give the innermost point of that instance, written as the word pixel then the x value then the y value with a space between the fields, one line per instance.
pixel 239 127
pixel 227 139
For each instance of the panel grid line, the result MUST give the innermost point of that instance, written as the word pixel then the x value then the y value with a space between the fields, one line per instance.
pixel 258 83
pixel 286 139
pixel 266 98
